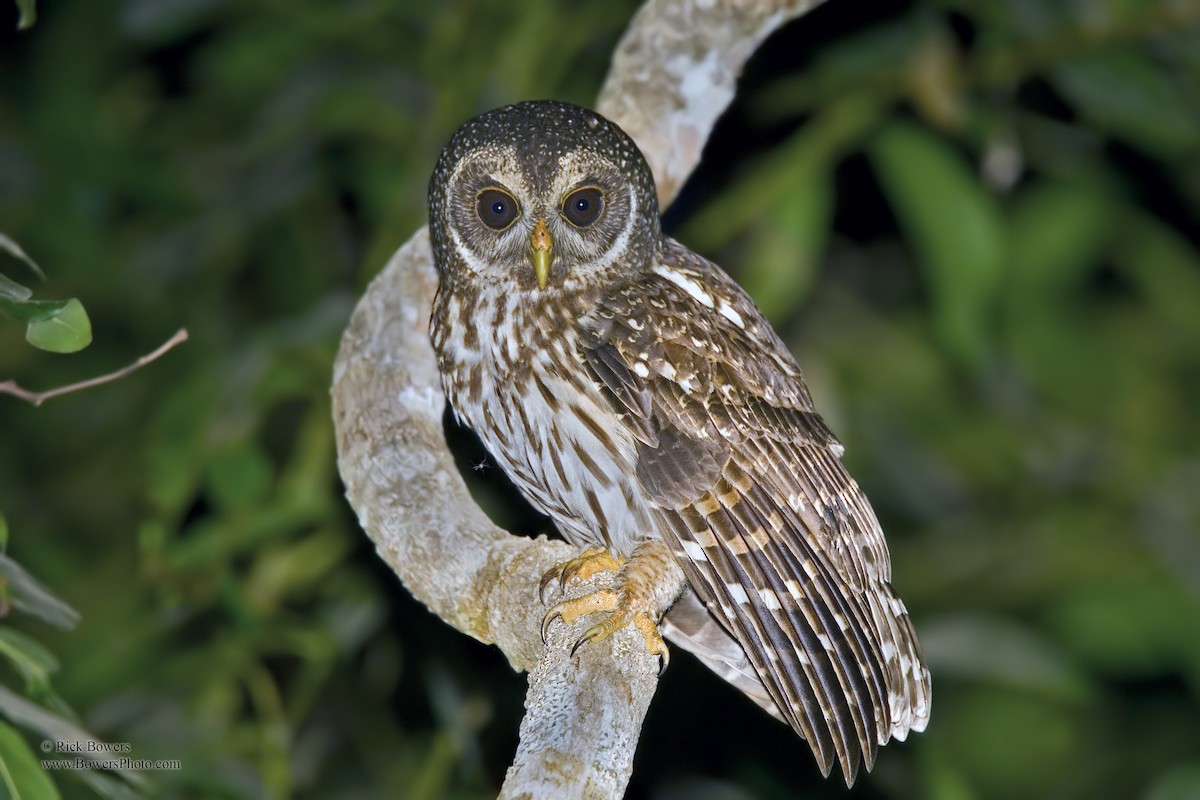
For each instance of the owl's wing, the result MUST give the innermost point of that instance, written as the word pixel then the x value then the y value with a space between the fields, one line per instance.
pixel 773 534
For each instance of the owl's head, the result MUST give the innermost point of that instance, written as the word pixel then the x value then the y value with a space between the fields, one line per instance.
pixel 541 195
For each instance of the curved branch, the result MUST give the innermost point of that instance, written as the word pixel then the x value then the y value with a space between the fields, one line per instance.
pixel 673 74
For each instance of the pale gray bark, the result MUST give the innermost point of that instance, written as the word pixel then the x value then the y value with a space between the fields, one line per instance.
pixel 673 74
pixel 675 71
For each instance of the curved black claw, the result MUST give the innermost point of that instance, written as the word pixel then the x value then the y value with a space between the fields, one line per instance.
pixel 551 615
pixel 586 564
pixel 578 644
pixel 589 635
pixel 559 575
pixel 598 632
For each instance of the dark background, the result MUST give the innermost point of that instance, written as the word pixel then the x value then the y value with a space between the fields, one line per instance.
pixel 975 222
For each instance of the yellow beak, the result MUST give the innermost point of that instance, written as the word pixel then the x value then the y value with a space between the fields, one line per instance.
pixel 541 252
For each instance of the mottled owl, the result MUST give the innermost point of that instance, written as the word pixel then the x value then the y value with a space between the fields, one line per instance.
pixel 636 395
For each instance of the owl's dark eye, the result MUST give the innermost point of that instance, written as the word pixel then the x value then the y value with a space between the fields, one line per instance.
pixel 496 208
pixel 583 206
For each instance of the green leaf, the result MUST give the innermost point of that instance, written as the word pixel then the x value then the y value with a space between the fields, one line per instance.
pixel 28 9
pixel 60 326
pixel 807 156
pixel 31 311
pixel 954 226
pixel 3 533
pixel 66 332
pixel 1127 94
pixel 58 728
pixel 111 788
pixel 12 248
pixel 29 596
pixel 870 61
pixel 1055 233
pixel 21 774
pixel 11 290
pixel 30 658
pixel 781 260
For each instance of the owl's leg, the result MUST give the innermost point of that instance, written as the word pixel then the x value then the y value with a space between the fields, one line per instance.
pixel 645 586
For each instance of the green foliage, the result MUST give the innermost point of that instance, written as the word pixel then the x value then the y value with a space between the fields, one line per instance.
pixel 28 11
pixel 37 707
pixel 20 773
pixel 973 220
pixel 955 229
pixel 23 592
pixel 65 330
pixel 60 326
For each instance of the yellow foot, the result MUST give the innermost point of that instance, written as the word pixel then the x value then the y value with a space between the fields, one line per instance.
pixel 585 565
pixel 631 601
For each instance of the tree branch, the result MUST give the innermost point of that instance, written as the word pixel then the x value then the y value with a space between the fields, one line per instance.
pixel 37 398
pixel 673 74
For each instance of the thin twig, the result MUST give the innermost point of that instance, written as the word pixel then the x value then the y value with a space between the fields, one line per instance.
pixel 37 398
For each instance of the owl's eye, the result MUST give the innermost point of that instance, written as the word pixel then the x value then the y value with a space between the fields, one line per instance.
pixel 583 206
pixel 497 209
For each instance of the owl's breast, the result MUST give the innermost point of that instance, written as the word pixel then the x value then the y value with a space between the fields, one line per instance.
pixel 547 425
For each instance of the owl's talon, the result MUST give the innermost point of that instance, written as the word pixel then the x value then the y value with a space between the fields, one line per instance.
pixel 618 617
pixel 623 606
pixel 588 563
pixel 654 641
pixel 551 615
pixel 655 645
pixel 581 641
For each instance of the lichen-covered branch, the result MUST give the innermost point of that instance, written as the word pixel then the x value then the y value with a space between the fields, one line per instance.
pixel 673 74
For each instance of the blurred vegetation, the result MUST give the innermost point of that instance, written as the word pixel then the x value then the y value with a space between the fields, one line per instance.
pixel 974 220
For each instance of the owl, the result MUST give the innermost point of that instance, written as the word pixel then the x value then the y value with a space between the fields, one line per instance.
pixel 635 394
